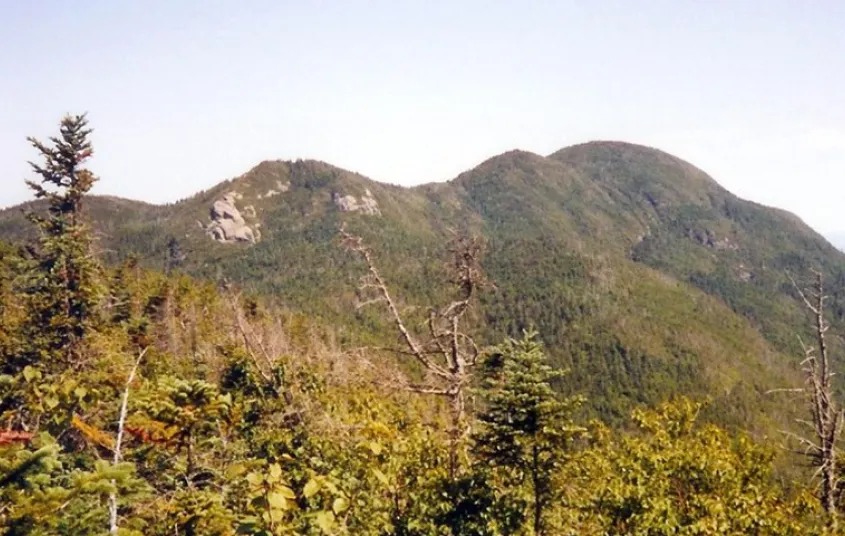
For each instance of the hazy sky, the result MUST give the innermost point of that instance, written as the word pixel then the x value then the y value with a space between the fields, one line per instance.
pixel 183 94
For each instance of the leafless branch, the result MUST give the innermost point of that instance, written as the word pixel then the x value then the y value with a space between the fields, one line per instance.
pixel 809 305
pixel 355 243
pixel 448 354
pixel 784 390
pixel 121 422
pixel 250 340
pixel 826 415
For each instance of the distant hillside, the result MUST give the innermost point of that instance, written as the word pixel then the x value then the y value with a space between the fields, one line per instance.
pixel 644 276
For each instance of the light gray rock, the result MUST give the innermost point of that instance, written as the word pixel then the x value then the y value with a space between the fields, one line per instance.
pixel 346 203
pixel 224 209
pixel 227 222
pixel 281 187
pixel 367 204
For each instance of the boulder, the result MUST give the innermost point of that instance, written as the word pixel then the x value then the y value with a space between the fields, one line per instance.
pixel 227 223
pixel 367 204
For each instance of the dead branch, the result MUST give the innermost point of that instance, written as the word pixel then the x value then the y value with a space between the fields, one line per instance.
pixel 826 415
pixel 248 339
pixel 801 294
pixel 356 244
pixel 121 423
pixel 785 390
pixel 448 354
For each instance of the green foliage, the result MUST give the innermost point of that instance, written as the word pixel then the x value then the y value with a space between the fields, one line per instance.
pixel 64 293
pixel 40 494
pixel 58 284
pixel 677 477
pixel 526 431
pixel 252 417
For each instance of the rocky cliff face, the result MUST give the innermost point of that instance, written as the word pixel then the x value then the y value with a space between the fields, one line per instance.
pixel 230 224
pixel 366 204
pixel 227 222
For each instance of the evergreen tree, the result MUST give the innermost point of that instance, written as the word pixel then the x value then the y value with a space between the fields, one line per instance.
pixel 175 256
pixel 62 290
pixel 526 429
pixel 10 310
pixel 58 281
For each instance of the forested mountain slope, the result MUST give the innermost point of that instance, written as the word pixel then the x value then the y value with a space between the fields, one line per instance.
pixel 643 276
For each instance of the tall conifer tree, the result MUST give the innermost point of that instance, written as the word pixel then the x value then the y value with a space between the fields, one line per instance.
pixel 61 288
pixel 526 429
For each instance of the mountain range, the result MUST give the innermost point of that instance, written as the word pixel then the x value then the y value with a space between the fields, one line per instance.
pixel 644 277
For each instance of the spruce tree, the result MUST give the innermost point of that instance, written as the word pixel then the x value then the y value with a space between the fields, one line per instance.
pixel 526 428
pixel 175 256
pixel 57 284
pixel 61 288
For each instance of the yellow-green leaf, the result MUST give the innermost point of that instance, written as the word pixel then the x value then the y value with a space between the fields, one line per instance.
pixel 255 479
pixel 381 476
pixel 235 470
pixel 286 492
pixel 340 505
pixel 311 488
pixel 277 501
pixel 30 373
pixel 51 401
pixel 325 520
pixel 329 485
pixel 275 473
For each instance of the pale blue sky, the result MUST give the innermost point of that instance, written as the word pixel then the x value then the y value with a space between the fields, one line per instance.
pixel 183 94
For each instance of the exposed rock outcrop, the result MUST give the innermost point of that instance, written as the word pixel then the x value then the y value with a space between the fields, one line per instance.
pixel 743 274
pixel 281 187
pixel 707 237
pixel 227 223
pixel 367 204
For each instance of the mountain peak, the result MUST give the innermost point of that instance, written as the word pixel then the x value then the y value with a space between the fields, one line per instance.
pixel 642 170
pixel 508 159
pixel 611 148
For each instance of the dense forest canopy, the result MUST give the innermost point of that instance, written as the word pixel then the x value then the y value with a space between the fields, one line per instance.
pixel 573 344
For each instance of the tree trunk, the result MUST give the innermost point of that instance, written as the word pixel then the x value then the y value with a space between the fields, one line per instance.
pixel 538 505
pixel 456 430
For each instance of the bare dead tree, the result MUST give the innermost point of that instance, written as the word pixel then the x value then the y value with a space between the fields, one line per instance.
pixel 254 346
pixel 264 357
pixel 826 415
pixel 118 454
pixel 447 354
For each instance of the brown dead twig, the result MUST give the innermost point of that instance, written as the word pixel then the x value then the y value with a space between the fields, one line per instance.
pixel 826 415
pixel 266 345
pixel 264 362
pixel 447 355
